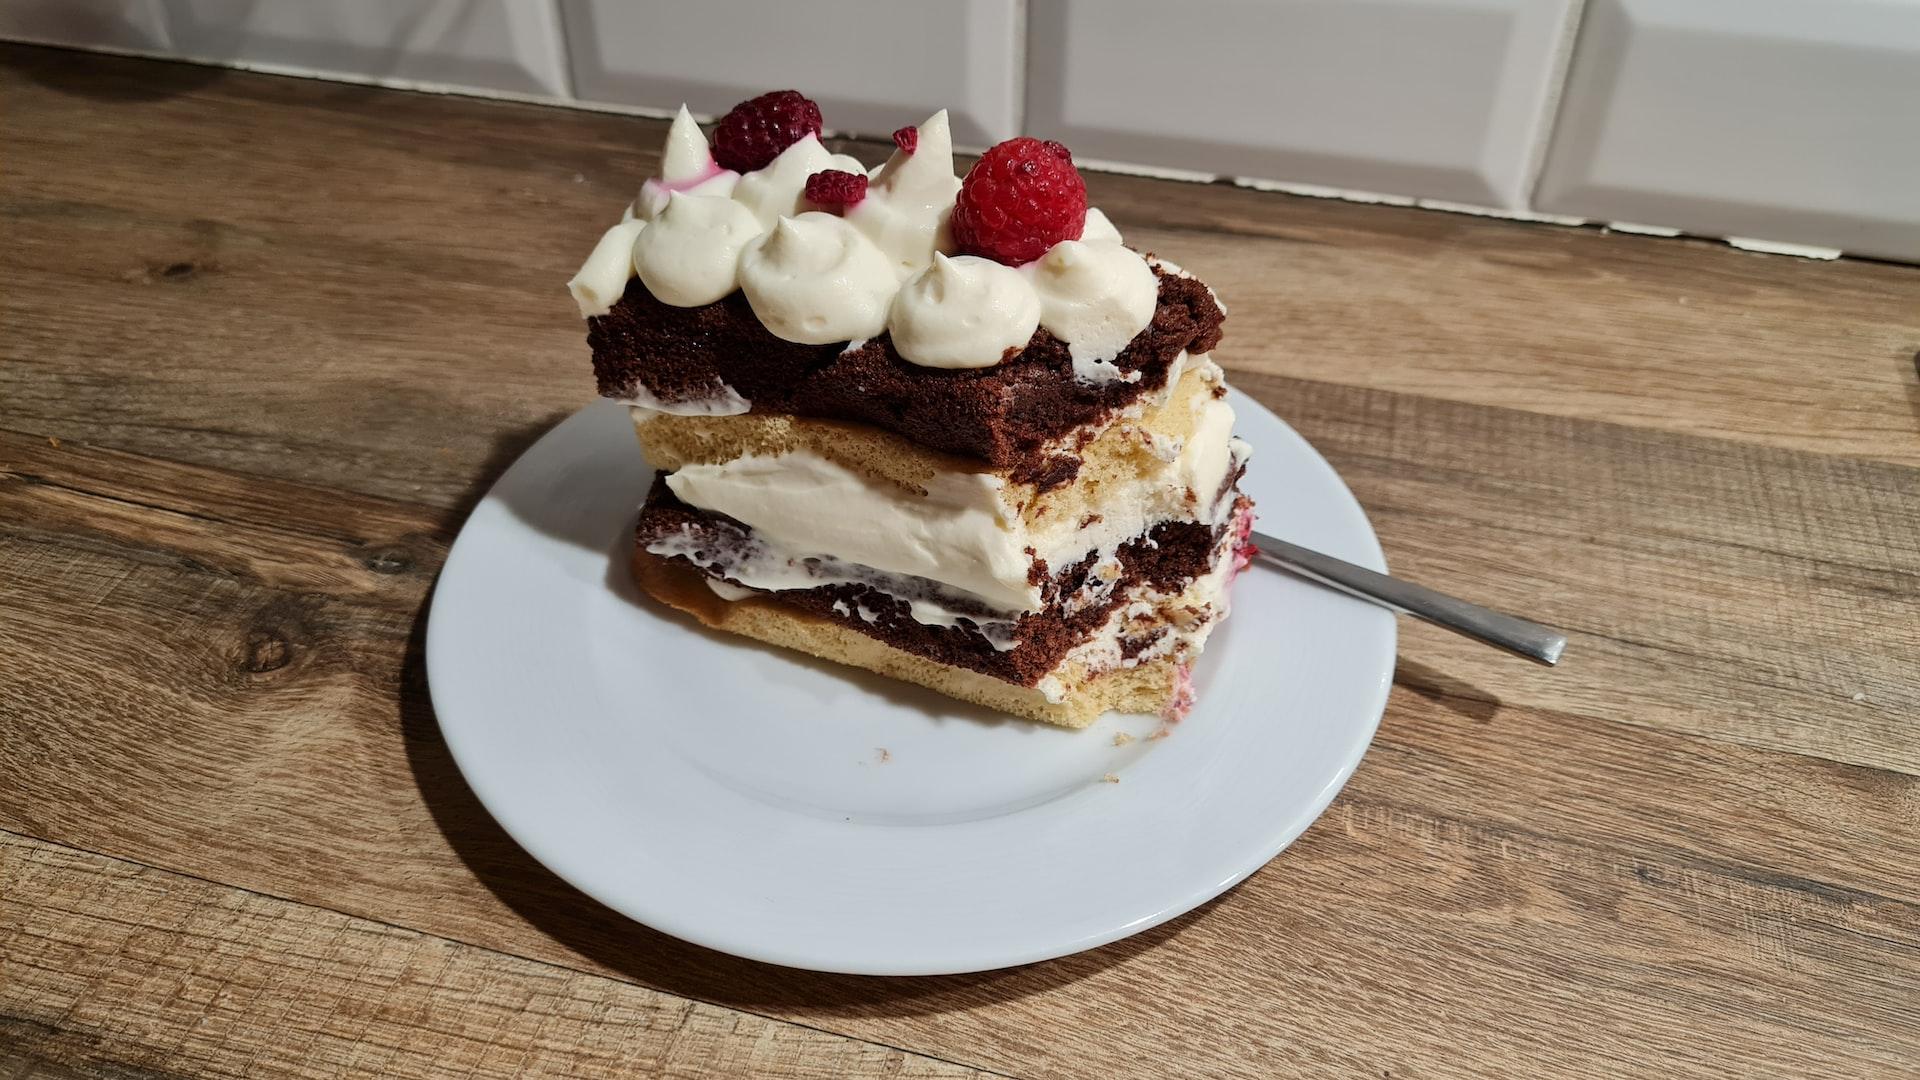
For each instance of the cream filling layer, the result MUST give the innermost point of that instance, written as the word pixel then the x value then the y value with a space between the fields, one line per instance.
pixel 805 506
pixel 724 400
pixel 773 568
pixel 963 533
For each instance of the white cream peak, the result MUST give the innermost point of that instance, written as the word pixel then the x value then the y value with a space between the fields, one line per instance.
pixel 690 254
pixel 925 176
pixel 963 312
pixel 603 277
pixel 777 190
pixel 909 235
pixel 906 209
pixel 1098 227
pixel 686 156
pixel 815 280
pixel 686 165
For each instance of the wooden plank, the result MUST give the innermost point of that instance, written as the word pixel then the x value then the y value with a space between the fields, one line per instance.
pixel 113 970
pixel 373 302
pixel 1678 335
pixel 329 315
pixel 1551 891
pixel 1768 597
pixel 1762 596
pixel 385 319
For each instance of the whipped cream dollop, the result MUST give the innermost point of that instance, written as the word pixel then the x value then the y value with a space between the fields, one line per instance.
pixel 1098 227
pixel 815 279
pixel 686 165
pixel 1095 296
pixel 698 231
pixel 963 312
pixel 777 190
pixel 690 254
pixel 910 199
pixel 780 189
pixel 603 277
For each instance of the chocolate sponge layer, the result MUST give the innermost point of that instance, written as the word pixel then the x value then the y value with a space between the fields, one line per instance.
pixel 1000 414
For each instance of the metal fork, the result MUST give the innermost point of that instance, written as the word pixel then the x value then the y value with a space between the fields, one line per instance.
pixel 1541 644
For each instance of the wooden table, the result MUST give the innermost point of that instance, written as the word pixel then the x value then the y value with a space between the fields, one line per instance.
pixel 264 341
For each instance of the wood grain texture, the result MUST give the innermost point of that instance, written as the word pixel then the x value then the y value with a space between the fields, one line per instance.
pixel 265 303
pixel 1492 857
pixel 262 341
pixel 1678 335
pixel 113 969
pixel 1764 596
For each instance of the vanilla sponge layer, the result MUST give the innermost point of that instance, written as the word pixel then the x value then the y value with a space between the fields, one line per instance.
pixel 1132 448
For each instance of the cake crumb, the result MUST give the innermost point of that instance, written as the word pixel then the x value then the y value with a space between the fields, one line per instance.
pixel 1860 699
pixel 1161 734
pixel 53 442
pixel 1110 779
pixel 1121 738
pixel 882 755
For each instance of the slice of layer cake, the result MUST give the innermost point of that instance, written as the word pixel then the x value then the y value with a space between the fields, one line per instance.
pixel 956 433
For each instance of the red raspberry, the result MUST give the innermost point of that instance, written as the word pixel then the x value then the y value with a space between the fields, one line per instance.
pixel 907 139
pixel 1021 198
pixel 835 191
pixel 755 132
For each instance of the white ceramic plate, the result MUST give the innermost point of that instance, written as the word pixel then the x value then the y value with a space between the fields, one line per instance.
pixel 779 808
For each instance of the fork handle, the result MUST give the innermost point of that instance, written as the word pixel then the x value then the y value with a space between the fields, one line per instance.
pixel 1541 644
